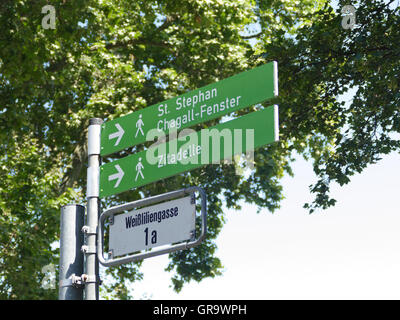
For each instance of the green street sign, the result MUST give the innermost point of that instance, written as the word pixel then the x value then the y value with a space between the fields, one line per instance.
pixel 215 100
pixel 190 151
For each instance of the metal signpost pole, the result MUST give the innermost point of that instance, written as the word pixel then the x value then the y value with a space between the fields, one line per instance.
pixel 91 279
pixel 71 257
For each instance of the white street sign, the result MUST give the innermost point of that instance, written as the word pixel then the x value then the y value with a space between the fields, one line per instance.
pixel 166 223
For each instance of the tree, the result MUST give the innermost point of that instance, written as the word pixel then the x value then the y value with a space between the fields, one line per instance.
pixel 107 58
pixel 324 61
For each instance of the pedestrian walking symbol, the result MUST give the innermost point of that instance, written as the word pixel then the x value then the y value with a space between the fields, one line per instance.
pixel 139 125
pixel 139 168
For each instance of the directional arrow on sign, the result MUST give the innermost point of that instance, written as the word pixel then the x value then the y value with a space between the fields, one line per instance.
pixel 117 176
pixel 119 134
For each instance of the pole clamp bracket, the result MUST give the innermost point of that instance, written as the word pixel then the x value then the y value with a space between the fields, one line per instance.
pixel 73 281
pixel 88 231
pixel 90 279
pixel 88 249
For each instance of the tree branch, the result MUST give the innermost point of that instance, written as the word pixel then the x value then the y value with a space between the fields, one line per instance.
pixel 79 157
pixel 252 36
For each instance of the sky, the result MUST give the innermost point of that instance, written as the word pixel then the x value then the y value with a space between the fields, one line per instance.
pixel 350 251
